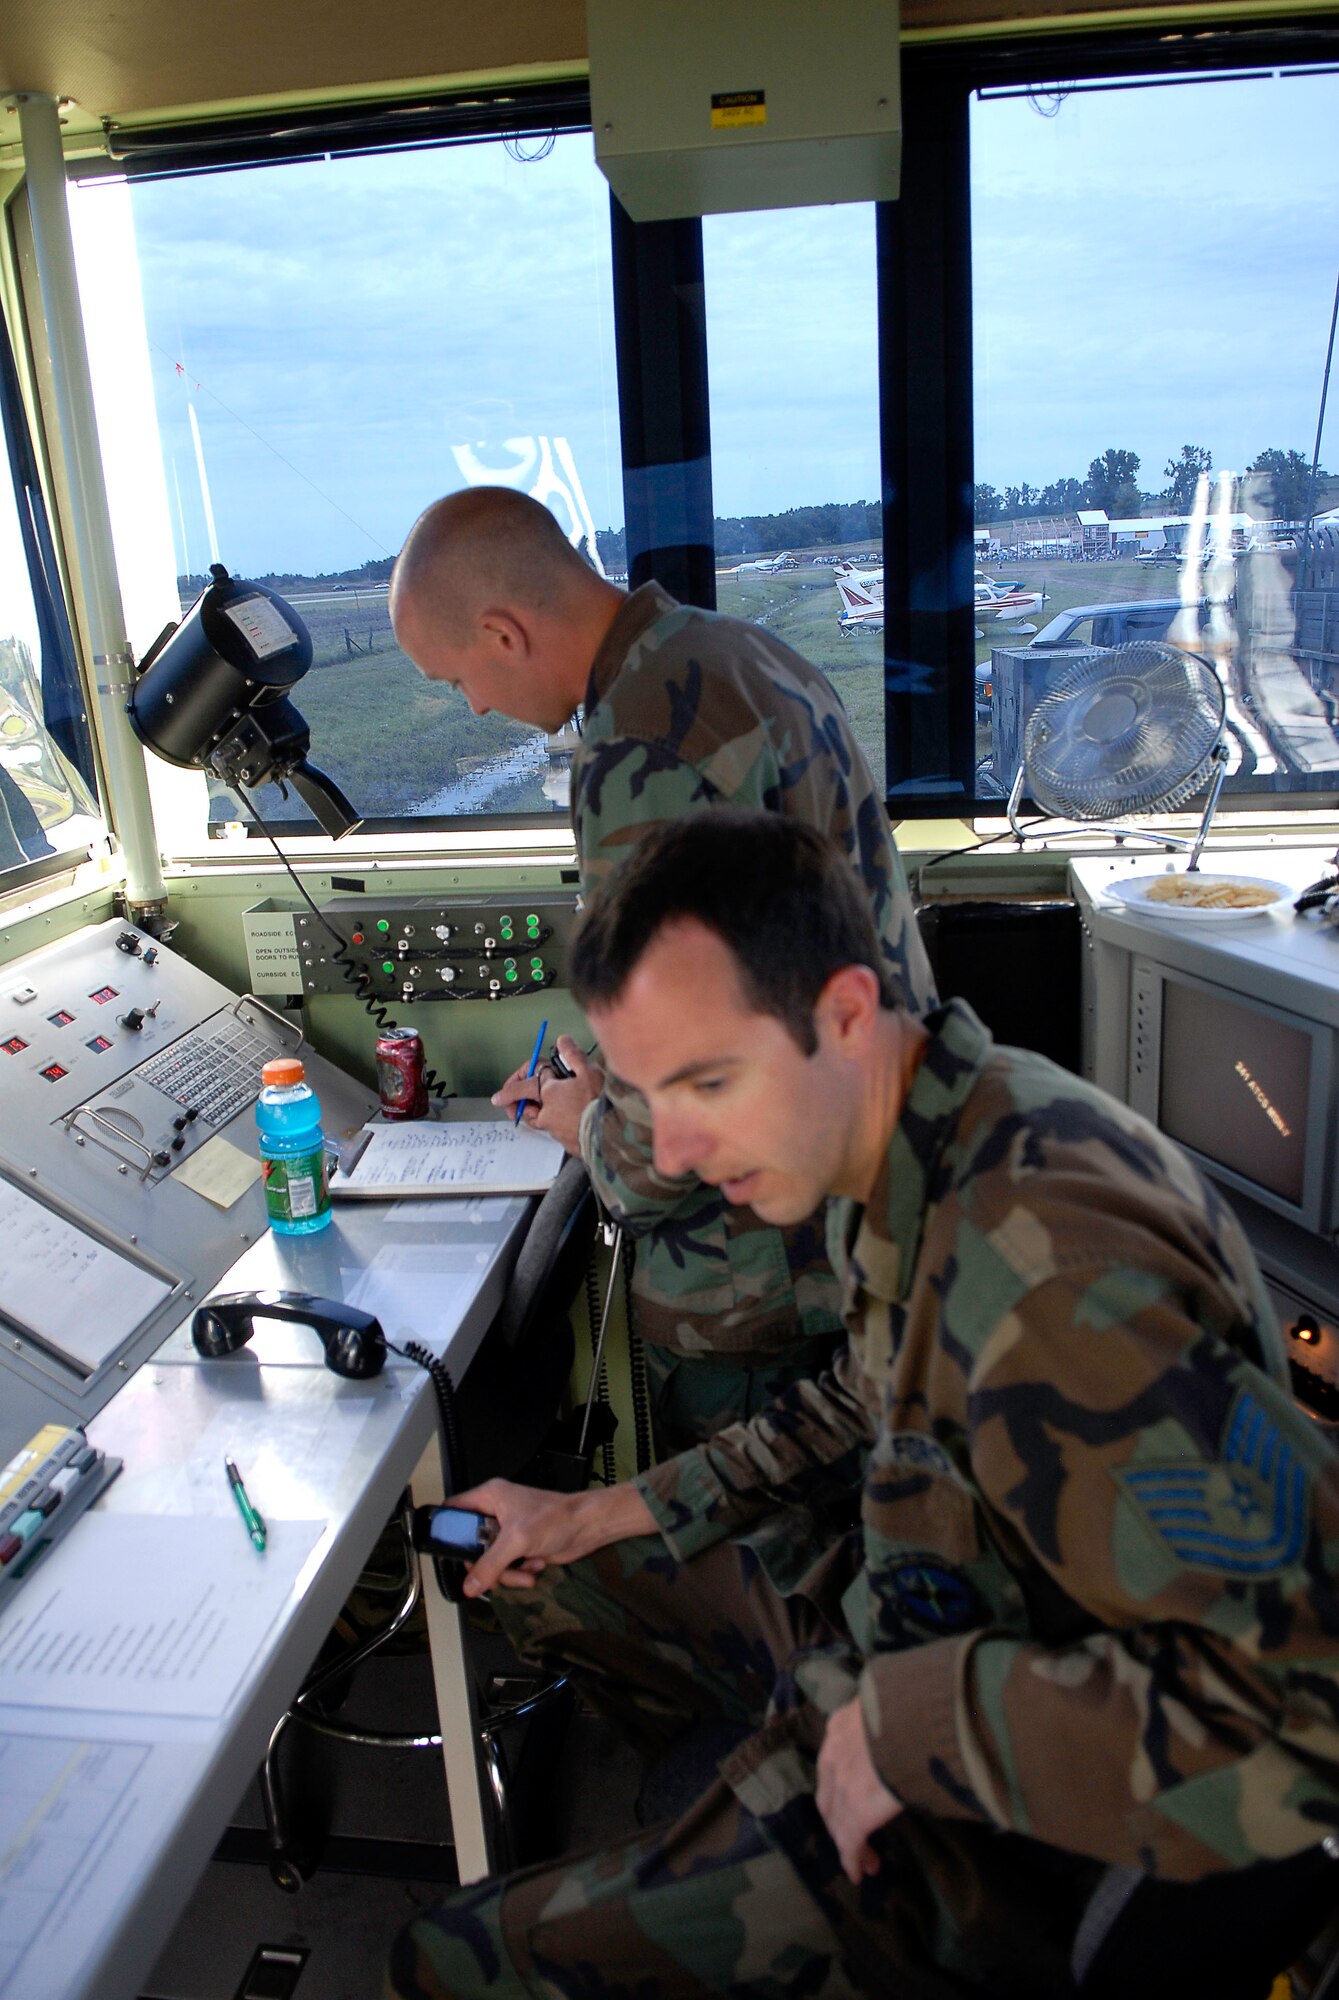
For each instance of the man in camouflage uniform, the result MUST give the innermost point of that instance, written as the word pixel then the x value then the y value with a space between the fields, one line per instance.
pixel 683 709
pixel 1075 1678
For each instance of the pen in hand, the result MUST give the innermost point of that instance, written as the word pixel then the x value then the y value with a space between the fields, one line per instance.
pixel 534 1065
pixel 255 1527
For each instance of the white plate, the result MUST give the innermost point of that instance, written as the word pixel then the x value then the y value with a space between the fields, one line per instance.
pixel 1133 890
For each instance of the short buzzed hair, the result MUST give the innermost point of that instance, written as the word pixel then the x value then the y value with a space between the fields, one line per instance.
pixel 781 896
pixel 485 547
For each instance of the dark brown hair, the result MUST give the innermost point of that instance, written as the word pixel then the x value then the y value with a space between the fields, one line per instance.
pixel 781 896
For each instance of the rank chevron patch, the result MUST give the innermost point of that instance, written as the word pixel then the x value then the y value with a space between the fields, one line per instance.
pixel 1245 1515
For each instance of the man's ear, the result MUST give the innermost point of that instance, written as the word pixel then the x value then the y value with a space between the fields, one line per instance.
pixel 505 632
pixel 848 1007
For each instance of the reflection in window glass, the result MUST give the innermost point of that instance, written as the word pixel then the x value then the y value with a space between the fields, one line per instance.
pixel 1153 280
pixel 336 343
pixel 792 359
pixel 45 806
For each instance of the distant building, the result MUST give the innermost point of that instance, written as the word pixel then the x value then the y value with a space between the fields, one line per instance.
pixel 1095 531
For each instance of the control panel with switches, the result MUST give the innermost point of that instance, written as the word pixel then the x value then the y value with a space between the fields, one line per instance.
pixel 128 1157
pixel 405 949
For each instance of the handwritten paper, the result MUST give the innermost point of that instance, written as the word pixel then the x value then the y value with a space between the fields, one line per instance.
pixel 66 1289
pixel 427 1157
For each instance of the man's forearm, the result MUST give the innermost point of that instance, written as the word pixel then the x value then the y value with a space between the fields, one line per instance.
pixel 607 1514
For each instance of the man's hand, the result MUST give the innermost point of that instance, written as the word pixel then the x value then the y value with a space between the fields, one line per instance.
pixel 852 1797
pixel 535 1528
pixel 554 1103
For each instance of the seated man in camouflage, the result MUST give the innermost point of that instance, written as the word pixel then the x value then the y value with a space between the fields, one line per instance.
pixel 1079 1663
pixel 682 710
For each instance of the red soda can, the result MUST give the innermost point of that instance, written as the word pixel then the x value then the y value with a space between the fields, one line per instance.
pixel 400 1073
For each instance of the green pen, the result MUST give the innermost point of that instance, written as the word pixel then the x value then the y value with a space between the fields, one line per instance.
pixel 255 1527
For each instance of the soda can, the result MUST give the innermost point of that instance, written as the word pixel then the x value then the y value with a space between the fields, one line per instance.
pixel 400 1073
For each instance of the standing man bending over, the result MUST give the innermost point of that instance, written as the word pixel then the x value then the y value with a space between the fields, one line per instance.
pixel 683 710
pixel 1062 1714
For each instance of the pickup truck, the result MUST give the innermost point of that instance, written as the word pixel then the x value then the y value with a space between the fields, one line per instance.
pixel 1095 625
pixel 1113 624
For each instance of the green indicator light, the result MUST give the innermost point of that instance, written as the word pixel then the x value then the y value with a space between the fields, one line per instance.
pixel 536 965
pixel 388 965
pixel 382 924
pixel 511 975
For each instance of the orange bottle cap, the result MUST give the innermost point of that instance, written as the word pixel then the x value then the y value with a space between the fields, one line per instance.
pixel 282 1070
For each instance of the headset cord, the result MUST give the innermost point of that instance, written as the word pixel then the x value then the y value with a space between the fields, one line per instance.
pixel 637 1382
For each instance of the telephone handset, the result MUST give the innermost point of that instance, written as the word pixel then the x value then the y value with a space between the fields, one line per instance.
pixel 354 1343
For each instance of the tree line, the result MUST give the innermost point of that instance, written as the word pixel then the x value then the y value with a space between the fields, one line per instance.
pixel 736 537
pixel 1113 485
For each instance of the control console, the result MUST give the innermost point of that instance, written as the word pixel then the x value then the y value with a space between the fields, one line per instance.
pixel 129 1174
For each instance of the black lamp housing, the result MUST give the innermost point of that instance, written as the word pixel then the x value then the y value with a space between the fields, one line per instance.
pixel 212 694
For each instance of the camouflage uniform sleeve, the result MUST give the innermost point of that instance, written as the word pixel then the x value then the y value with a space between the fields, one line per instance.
pixel 616 1147
pixel 709 1493
pixel 623 787
pixel 1176 1708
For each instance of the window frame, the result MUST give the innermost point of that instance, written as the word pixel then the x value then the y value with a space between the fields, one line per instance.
pixel 925 314
pixel 426 122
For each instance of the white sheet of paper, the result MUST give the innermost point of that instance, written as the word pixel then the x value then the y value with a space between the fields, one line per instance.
pixel 110 1624
pixel 81 1298
pixel 472 1156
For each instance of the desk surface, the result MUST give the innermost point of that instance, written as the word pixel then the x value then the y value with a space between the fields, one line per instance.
pixel 107 1819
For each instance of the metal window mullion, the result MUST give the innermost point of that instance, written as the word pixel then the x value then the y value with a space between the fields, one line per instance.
pixel 53 250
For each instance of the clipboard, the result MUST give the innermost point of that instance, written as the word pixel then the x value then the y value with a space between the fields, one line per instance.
pixel 423 1158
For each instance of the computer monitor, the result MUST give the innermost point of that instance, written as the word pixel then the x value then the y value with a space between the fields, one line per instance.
pixel 1244 1085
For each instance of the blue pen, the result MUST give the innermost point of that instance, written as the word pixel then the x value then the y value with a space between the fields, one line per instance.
pixel 534 1065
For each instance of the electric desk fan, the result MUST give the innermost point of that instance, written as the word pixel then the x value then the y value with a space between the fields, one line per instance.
pixel 1138 729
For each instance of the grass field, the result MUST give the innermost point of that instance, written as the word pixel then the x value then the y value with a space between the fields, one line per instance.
pixel 392 740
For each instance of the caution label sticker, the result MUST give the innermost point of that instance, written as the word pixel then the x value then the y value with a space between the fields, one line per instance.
pixel 738 107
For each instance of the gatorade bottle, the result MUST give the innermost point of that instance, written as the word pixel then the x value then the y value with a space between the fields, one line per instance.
pixel 292 1150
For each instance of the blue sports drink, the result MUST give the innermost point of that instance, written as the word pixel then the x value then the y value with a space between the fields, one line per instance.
pixel 292 1150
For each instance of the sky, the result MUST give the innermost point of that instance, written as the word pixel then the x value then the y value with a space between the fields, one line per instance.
pixel 1152 268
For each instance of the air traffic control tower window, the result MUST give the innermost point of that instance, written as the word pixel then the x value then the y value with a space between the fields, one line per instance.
pixel 48 807
pixel 793 367
pixel 332 343
pixel 1153 279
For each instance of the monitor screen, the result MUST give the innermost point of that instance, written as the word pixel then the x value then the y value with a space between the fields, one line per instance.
pixel 1234 1083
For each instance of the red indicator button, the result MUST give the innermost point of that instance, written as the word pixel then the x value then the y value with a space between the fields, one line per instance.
pixel 357 938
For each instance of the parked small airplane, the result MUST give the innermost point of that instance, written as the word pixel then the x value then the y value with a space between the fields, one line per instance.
pixel 860 592
pixel 768 565
pixel 1004 600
